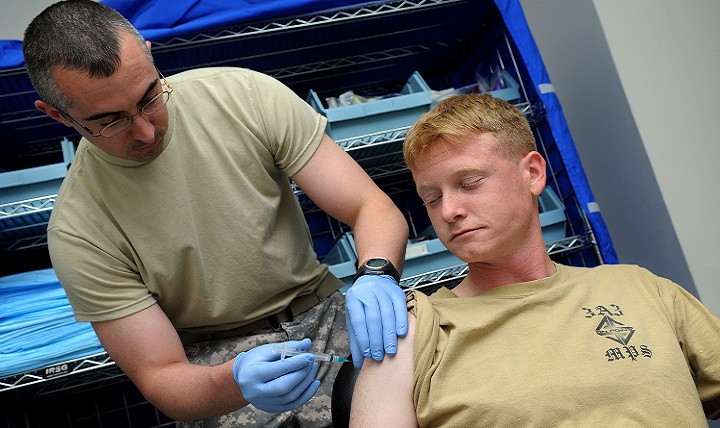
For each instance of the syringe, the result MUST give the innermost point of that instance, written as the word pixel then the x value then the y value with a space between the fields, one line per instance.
pixel 285 351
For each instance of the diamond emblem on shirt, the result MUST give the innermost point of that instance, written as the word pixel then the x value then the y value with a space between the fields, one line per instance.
pixel 614 330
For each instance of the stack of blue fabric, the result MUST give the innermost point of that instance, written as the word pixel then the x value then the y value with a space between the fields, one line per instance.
pixel 37 326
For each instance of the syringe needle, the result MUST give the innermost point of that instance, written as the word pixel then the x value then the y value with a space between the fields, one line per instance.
pixel 285 351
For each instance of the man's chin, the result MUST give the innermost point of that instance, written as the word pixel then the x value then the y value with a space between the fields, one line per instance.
pixel 146 153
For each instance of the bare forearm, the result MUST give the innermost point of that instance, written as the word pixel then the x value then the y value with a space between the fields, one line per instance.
pixel 381 231
pixel 186 391
pixel 146 346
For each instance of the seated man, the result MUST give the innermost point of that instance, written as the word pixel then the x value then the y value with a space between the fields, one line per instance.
pixel 523 341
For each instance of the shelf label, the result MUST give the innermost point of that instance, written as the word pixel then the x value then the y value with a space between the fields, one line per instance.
pixel 56 370
pixel 416 250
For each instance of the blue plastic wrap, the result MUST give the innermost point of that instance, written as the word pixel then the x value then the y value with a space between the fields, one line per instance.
pixel 158 20
pixel 37 326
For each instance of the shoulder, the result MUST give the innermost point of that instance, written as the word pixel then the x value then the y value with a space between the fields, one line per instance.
pixel 623 279
pixel 211 72
pixel 615 271
pixel 212 76
pixel 78 193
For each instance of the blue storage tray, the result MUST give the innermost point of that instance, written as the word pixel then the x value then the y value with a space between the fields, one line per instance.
pixel 38 181
pixel 552 215
pixel 420 257
pixel 510 93
pixel 25 202
pixel 426 256
pixel 342 260
pixel 31 183
pixel 375 116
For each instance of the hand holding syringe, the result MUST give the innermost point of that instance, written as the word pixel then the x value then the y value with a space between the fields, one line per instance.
pixel 285 351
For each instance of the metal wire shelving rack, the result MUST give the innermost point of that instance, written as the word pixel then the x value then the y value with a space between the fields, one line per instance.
pixel 375 45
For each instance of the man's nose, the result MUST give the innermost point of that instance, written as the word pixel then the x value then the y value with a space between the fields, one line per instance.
pixel 452 207
pixel 142 128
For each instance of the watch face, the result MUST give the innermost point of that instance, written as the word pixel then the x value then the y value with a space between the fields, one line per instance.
pixel 376 263
pixel 377 266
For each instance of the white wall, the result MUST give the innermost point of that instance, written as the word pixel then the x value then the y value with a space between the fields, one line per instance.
pixel 17 14
pixel 637 82
pixel 667 58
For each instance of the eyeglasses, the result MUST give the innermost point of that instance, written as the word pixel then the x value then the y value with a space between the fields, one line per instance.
pixel 119 125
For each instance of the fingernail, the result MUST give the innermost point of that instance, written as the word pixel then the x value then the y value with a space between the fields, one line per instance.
pixel 366 352
pixel 378 356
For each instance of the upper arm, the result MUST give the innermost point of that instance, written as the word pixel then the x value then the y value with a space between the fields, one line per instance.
pixel 383 390
pixel 336 183
pixel 142 344
pixel 341 188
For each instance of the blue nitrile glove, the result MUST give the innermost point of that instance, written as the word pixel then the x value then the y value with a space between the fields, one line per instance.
pixel 274 385
pixel 375 316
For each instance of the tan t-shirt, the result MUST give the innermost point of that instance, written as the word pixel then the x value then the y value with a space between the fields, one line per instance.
pixel 211 229
pixel 607 346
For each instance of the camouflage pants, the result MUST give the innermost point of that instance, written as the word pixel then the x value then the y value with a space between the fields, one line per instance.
pixel 324 324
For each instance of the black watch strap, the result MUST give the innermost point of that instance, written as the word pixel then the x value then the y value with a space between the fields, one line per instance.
pixel 377 266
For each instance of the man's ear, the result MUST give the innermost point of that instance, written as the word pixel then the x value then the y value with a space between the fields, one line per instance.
pixel 52 112
pixel 147 43
pixel 536 167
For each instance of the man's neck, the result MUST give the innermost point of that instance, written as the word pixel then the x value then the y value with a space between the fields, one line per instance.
pixel 483 276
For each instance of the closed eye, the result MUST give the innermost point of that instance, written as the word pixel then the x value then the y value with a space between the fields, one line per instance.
pixel 111 122
pixel 472 183
pixel 432 200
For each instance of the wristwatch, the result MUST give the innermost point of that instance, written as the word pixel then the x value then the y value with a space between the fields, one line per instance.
pixel 377 266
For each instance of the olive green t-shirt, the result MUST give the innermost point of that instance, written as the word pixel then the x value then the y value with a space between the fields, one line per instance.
pixel 605 346
pixel 211 229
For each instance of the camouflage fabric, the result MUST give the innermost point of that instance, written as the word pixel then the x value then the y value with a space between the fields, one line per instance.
pixel 324 324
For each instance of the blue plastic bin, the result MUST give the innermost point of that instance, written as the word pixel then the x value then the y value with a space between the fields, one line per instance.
pixel 552 215
pixel 25 205
pixel 31 182
pixel 421 257
pixel 38 181
pixel 342 260
pixel 428 255
pixel 510 93
pixel 376 116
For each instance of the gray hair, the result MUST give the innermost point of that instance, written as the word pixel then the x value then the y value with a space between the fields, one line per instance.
pixel 78 35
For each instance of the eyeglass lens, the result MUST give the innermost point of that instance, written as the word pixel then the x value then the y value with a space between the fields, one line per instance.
pixel 154 105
